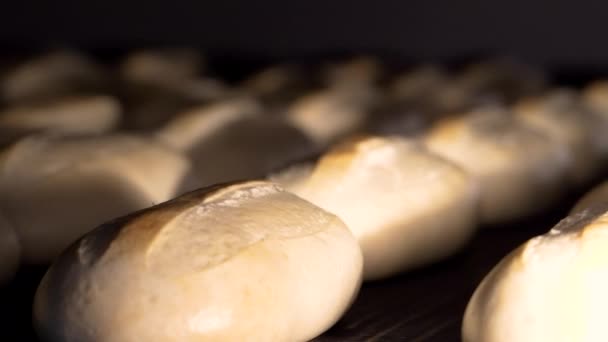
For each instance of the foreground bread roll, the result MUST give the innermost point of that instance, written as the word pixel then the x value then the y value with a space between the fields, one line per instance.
pixel 10 251
pixel 553 288
pixel 596 199
pixel 73 115
pixel 559 114
pixel 406 206
pixel 54 189
pixel 239 262
pixel 232 140
pixel 520 170
pixel 49 75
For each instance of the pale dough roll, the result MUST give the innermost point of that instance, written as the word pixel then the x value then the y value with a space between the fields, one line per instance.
pixel 55 189
pixel 240 262
pixel 520 170
pixel 10 251
pixel 72 115
pixel 553 288
pixel 406 206
pixel 232 141
pixel 560 115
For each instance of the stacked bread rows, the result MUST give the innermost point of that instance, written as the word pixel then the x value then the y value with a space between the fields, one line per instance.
pixel 252 210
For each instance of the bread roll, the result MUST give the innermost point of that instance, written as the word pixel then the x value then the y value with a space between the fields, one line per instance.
pixel 10 251
pixel 595 95
pixel 553 288
pixel 506 78
pixel 406 206
pixel 239 262
pixel 560 115
pixel 158 84
pixel 50 75
pixel 358 71
pixel 274 81
pixel 185 131
pixel 328 115
pixel 520 170
pixel 74 115
pixel 419 82
pixel 162 66
pixel 231 140
pixel 431 89
pixel 595 98
pixel 596 199
pixel 54 189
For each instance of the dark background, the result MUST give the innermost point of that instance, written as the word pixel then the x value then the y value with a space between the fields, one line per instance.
pixel 551 33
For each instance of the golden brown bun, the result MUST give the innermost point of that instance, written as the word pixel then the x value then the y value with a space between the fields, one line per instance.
pixel 406 206
pixel 237 262
pixel 520 170
pixel 553 288
pixel 560 115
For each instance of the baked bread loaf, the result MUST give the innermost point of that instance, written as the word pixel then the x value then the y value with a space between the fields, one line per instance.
pixel 406 206
pixel 161 66
pixel 54 189
pixel 10 251
pixel 237 262
pixel 72 115
pixel 560 115
pixel 553 288
pixel 232 140
pixel 520 170
pixel 159 84
pixel 46 76
pixel 328 115
pixel 505 78
pixel 358 71
pixel 595 99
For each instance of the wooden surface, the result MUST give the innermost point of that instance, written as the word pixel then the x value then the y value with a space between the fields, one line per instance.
pixel 425 305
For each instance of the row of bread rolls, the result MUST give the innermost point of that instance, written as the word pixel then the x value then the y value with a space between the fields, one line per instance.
pixel 553 287
pixel 389 191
